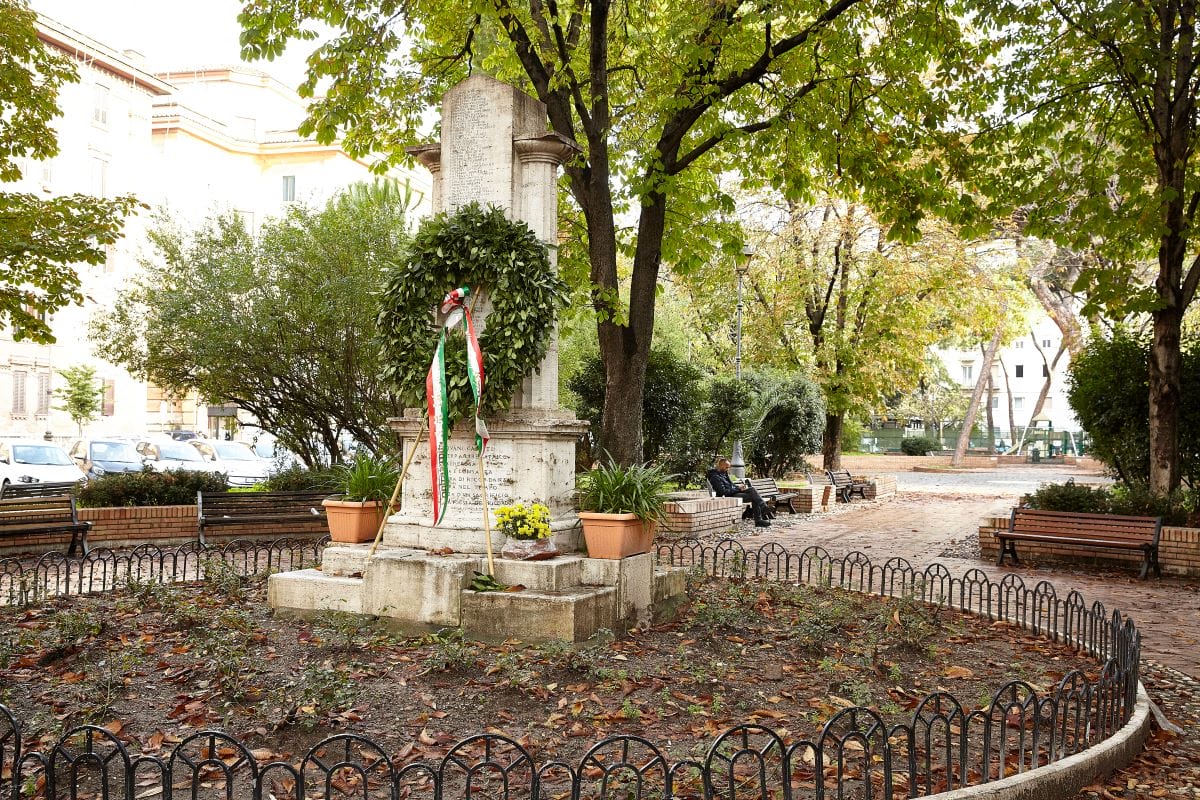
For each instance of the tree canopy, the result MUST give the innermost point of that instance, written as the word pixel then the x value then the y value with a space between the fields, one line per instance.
pixel 282 323
pixel 41 239
pixel 1088 129
pixel 662 98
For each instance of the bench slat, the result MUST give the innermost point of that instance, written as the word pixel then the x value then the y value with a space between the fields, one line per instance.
pixel 44 515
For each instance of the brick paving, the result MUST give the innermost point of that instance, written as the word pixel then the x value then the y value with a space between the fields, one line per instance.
pixel 937 519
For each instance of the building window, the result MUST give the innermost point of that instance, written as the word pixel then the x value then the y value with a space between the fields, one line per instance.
pixel 1018 403
pixel 1045 342
pixel 247 218
pixel 18 397
pixel 109 404
pixel 1019 370
pixel 99 177
pixel 995 401
pixel 1045 371
pixel 100 107
pixel 1049 404
pixel 43 393
pixel 1019 344
pixel 968 372
pixel 289 188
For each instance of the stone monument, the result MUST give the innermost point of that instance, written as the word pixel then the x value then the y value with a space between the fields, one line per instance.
pixel 494 150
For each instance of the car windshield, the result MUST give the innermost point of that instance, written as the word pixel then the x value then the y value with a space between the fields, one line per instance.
pixel 40 454
pixel 177 451
pixel 114 451
pixel 234 451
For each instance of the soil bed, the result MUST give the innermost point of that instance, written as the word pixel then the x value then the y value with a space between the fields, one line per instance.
pixel 157 663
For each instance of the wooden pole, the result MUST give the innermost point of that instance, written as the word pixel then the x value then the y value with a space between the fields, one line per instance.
pixel 487 517
pixel 396 492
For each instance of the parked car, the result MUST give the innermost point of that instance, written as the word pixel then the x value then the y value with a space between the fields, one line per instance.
pixel 164 453
pixel 31 461
pixel 183 436
pixel 239 462
pixel 98 457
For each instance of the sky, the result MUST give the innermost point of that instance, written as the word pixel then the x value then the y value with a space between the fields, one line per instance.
pixel 171 34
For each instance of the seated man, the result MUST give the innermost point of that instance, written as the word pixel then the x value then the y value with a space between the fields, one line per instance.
pixel 719 479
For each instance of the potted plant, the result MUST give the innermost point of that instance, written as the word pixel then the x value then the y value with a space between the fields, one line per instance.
pixel 620 508
pixel 528 532
pixel 365 485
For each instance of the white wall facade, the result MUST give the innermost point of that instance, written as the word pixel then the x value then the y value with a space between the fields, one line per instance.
pixel 193 142
pixel 1024 367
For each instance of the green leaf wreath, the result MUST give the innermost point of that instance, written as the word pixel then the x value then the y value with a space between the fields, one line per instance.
pixel 483 250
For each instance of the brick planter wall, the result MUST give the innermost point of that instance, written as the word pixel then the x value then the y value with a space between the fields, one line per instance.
pixel 812 499
pixel 164 526
pixel 881 486
pixel 700 514
pixel 1178 550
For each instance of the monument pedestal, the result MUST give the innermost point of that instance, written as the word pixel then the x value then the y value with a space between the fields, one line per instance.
pixel 569 597
pixel 530 459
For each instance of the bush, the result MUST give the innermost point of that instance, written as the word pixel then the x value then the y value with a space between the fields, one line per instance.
pixel 1069 496
pixel 149 488
pixel 790 421
pixel 919 445
pixel 1134 501
pixel 302 479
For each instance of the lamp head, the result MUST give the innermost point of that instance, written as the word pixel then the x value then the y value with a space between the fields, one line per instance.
pixel 743 264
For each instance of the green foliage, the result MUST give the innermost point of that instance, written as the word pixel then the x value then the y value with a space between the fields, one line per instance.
pixel 919 445
pixel 279 323
pixel 790 415
pixel 339 630
pixel 42 239
pixel 669 405
pixel 1107 387
pixel 1069 496
pixel 302 479
pixel 451 651
pixel 482 582
pixel 663 97
pixel 639 489
pixel 488 253
pixel 853 432
pixel 81 397
pixel 149 488
pixel 1120 498
pixel 367 478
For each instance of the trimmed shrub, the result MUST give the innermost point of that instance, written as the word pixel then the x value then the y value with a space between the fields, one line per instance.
pixel 919 445
pixel 149 488
pixel 302 479
pixel 1069 496
pixel 1133 501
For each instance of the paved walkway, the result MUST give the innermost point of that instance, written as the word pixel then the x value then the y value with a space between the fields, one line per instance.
pixel 936 518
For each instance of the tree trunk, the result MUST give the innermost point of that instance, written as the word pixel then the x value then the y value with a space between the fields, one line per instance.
pixel 625 349
pixel 1012 417
pixel 1166 367
pixel 831 441
pixel 991 422
pixel 985 374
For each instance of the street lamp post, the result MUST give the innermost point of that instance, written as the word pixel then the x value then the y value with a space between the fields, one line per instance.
pixel 738 464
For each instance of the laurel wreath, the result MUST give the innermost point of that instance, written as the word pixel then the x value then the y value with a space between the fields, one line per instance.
pixel 485 251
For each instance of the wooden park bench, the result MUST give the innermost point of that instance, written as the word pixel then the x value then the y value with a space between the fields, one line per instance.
pixel 1098 531
pixel 772 495
pixel 224 509
pixel 22 517
pixel 38 489
pixel 846 486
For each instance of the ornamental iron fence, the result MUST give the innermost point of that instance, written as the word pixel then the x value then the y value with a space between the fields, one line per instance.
pixel 944 745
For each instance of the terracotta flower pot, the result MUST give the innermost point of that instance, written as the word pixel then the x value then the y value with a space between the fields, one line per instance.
pixel 616 535
pixel 352 522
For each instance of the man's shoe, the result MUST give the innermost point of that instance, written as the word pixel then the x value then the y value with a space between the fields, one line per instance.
pixel 762 523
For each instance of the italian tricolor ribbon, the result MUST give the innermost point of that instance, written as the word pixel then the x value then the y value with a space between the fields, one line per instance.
pixel 454 306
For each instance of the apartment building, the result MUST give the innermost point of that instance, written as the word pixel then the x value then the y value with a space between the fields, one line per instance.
pixel 193 142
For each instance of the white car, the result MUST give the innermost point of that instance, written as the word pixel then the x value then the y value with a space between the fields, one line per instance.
pixel 166 453
pixel 31 461
pixel 237 460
